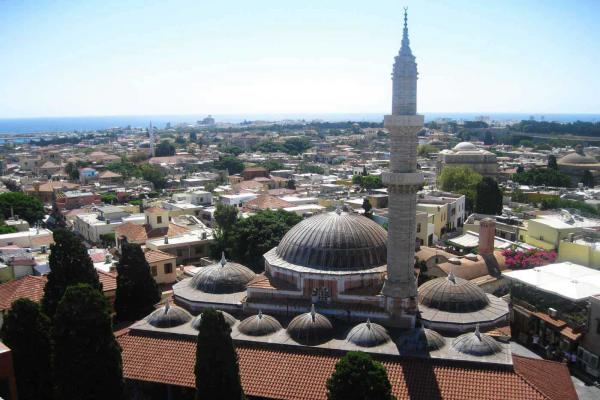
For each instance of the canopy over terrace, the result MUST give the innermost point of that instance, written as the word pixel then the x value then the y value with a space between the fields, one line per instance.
pixel 567 280
pixel 470 240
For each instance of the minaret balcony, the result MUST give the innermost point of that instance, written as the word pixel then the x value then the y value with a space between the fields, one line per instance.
pixel 399 121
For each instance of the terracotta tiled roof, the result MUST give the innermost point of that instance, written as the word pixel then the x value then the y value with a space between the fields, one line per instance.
pixel 266 201
pixel 155 210
pixel 302 375
pixel 568 332
pixel 153 256
pixel 108 281
pixel 248 185
pixel 557 323
pixel 110 174
pixel 133 232
pixel 28 287
pixel 170 231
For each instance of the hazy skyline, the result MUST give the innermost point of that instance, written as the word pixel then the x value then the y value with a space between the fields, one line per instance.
pixel 145 57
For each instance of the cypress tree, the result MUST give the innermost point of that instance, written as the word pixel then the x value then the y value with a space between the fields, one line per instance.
pixel 70 264
pixel 87 358
pixel 137 291
pixel 217 370
pixel 587 179
pixel 358 377
pixel 488 199
pixel 27 332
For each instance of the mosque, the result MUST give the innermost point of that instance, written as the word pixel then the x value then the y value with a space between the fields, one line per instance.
pixel 340 281
pixel 467 154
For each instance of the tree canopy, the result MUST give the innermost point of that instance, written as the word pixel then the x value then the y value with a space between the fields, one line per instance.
pixel 358 377
pixel 27 332
pixel 587 179
pixel 217 369
pixel 137 291
pixel 367 181
pixel 69 264
pixel 229 163
pixel 29 208
pixel 542 176
pixel 488 199
pixel 552 164
pixel 165 148
pixel 87 358
pixel 426 149
pixel 461 180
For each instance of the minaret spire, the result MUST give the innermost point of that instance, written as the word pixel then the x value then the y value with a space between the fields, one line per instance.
pixel 405 41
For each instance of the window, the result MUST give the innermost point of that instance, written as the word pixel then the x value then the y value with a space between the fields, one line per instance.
pixel 418 228
pixel 168 268
pixel 159 220
pixel 153 267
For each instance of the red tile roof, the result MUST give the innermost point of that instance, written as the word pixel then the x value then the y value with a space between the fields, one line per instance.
pixel 108 281
pixel 153 256
pixel 302 375
pixel 266 201
pixel 28 287
pixel 133 232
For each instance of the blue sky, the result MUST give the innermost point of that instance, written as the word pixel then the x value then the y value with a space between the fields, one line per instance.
pixel 67 58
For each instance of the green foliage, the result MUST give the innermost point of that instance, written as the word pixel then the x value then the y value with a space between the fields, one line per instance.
pixel 552 164
pixel 366 205
pixel 296 146
pixel 180 139
pixel 87 358
pixel 107 239
pixel 109 198
pixel 233 150
pixel 461 180
pixel 542 176
pixel 217 369
pixel 7 229
pixel 587 179
pixel 125 168
pixel 556 203
pixel 575 128
pixel 69 265
pixel 27 332
pixel 368 181
pixel 229 163
pixel 137 291
pixel 72 170
pixel 154 174
pixel 425 149
pixel 164 149
pixel 269 146
pixel 291 184
pixel 358 377
pixel 27 207
pixel 271 165
pixel 310 169
pixel 488 199
pixel 520 169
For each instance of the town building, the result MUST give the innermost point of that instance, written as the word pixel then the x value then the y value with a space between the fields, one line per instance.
pixel 467 154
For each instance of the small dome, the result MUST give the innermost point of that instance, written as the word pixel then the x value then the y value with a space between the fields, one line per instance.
pixel 222 277
pixel 452 294
pixel 310 328
pixel 259 325
pixel 335 241
pixel 577 158
pixel 465 146
pixel 168 316
pixel 476 344
pixel 368 334
pixel 420 340
pixel 229 320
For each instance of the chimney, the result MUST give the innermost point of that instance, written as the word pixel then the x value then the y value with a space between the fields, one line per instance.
pixel 166 240
pixel 487 232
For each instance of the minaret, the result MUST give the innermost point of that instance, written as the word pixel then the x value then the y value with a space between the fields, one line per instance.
pixel 403 181
pixel 151 138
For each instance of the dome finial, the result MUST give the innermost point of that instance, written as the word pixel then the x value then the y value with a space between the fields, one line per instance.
pixel 167 306
pixel 477 332
pixel 451 276
pixel 223 260
pixel 338 210
pixel 369 323
pixel 259 314
pixel 312 312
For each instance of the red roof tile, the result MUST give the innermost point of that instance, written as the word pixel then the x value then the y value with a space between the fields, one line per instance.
pixel 108 281
pixel 302 375
pixel 28 287
pixel 153 256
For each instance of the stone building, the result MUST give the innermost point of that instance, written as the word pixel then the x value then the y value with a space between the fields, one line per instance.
pixel 467 154
pixel 576 163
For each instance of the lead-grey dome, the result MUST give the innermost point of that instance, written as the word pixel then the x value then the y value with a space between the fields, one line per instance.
pixel 452 294
pixel 476 344
pixel 168 316
pixel 229 319
pixel 577 158
pixel 259 325
pixel 368 334
pixel 465 146
pixel 335 241
pixel 222 277
pixel 310 328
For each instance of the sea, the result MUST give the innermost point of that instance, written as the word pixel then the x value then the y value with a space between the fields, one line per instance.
pixel 34 126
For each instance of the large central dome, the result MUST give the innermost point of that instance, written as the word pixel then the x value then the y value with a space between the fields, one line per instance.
pixel 335 241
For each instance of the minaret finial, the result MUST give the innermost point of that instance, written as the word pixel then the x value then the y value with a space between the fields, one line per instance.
pixel 405 17
pixel 405 42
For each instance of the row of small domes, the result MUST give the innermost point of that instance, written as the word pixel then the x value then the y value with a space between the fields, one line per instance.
pixel 313 328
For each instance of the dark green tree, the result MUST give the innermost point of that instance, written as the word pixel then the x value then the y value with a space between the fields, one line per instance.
pixel 70 264
pixel 229 163
pixel 461 180
pixel 552 164
pixel 296 145
pixel 291 184
pixel 87 358
pixel 366 205
pixel 72 170
pixel 520 169
pixel 137 291
pixel 364 171
pixel 272 165
pixel 164 149
pixel 543 176
pixel 254 236
pixel 217 369
pixel 154 174
pixel 358 377
pixel 488 198
pixel 27 332
pixel 587 179
pixel 225 217
pixel 29 208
